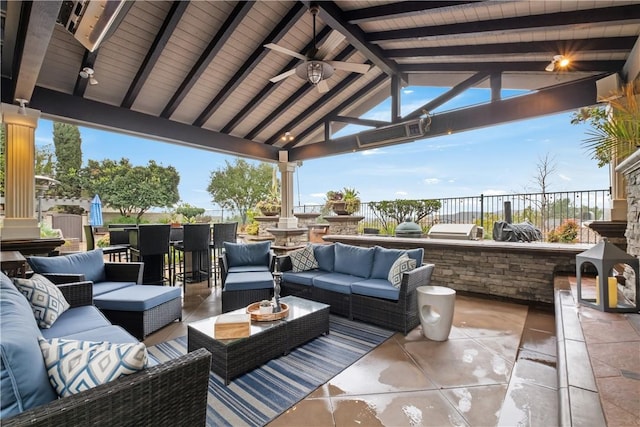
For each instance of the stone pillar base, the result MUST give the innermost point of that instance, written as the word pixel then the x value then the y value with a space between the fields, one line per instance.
pixel 346 225
pixel 20 228
pixel 618 210
pixel 288 222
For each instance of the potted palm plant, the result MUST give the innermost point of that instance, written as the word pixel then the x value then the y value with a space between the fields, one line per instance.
pixel 615 130
pixel 343 202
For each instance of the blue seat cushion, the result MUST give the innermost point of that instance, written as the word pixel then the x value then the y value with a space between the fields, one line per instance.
pixel 77 319
pixel 111 333
pixel 248 268
pixel 90 264
pixel 384 258
pixel 136 298
pixel 239 254
pixel 379 288
pixel 24 382
pixel 104 287
pixel 302 277
pixel 325 255
pixel 353 260
pixel 248 280
pixel 335 282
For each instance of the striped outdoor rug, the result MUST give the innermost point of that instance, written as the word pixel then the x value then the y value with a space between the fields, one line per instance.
pixel 259 396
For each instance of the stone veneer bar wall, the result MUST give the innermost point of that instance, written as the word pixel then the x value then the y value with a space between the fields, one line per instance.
pixel 518 271
pixel 630 167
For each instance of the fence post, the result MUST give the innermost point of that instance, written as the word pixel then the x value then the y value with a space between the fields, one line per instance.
pixel 482 210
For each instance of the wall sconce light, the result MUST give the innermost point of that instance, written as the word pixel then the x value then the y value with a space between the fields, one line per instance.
pixel 87 73
pixel 287 137
pixel 559 62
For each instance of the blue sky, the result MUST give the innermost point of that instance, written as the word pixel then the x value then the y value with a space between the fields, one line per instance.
pixel 494 160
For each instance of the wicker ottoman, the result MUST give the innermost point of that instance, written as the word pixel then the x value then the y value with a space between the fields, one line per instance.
pixel 243 288
pixel 141 309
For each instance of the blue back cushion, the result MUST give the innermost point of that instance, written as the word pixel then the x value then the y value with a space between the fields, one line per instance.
pixel 325 255
pixel 384 258
pixel 90 263
pixel 353 260
pixel 247 254
pixel 24 382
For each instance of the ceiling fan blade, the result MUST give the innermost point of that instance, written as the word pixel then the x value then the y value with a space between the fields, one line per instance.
pixel 332 42
pixel 286 51
pixel 350 66
pixel 282 76
pixel 323 86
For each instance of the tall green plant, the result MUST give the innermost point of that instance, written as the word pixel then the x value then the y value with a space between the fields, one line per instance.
pixel 401 209
pixel 615 129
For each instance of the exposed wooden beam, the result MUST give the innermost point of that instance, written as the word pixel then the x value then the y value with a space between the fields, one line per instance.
pixel 112 118
pixel 368 88
pixel 495 81
pixel 546 101
pixel 162 38
pixel 398 10
pixel 562 19
pixel 359 121
pixel 494 67
pixel 332 15
pixel 37 22
pixel 287 22
pixel 221 37
pixel 563 47
pixel 270 87
pixel 448 95
pixel 396 98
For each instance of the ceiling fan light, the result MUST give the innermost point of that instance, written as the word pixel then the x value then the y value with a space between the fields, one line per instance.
pixel 550 67
pixel 93 81
pixel 315 72
pixel 564 62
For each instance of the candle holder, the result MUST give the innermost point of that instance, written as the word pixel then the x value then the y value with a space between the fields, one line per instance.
pixel 603 257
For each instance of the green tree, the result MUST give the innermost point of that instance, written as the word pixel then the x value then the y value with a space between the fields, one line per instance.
pixel 189 212
pixel 67 142
pixel 401 209
pixel 45 161
pixel 240 185
pixel 132 190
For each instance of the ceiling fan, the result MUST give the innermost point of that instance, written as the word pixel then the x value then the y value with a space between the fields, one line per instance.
pixel 315 69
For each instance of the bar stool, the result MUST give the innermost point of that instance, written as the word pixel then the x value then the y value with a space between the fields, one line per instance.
pixel 435 307
pixel 150 244
pixel 111 250
pixel 196 238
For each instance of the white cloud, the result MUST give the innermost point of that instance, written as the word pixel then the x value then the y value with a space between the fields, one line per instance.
pixel 564 177
pixel 371 152
pixel 407 91
pixel 494 192
pixel 401 193
pixel 451 181
pixel 317 195
pixel 430 181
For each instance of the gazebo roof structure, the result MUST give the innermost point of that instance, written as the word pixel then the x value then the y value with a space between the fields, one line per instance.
pixel 198 73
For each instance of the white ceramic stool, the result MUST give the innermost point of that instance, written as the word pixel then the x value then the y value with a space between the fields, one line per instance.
pixel 435 306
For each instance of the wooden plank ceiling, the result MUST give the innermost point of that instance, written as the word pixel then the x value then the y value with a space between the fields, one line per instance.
pixel 197 73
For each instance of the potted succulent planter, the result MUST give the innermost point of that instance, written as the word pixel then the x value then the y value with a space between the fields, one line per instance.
pixel 265 307
pixel 343 202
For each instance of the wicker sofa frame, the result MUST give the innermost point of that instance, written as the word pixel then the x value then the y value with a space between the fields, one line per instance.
pixel 232 300
pixel 401 315
pixel 171 393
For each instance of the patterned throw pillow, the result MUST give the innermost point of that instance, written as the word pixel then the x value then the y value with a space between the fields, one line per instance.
pixel 303 259
pixel 45 298
pixel 74 366
pixel 401 265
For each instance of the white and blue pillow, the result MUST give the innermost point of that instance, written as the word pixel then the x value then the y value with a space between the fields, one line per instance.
pixel 303 259
pixel 74 366
pixel 45 298
pixel 402 265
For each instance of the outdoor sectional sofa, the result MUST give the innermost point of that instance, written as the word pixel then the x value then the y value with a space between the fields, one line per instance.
pixel 354 282
pixel 169 393
pixel 117 290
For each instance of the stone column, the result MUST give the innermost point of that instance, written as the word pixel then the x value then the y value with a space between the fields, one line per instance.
pixel 346 225
pixel 631 170
pixel 19 222
pixel 618 193
pixel 287 220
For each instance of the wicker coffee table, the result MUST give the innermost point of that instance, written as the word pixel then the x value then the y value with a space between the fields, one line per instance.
pixel 230 358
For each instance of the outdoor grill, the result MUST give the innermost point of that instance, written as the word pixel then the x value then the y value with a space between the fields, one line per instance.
pixel 408 229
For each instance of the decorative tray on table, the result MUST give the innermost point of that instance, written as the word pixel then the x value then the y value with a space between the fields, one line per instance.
pixel 254 311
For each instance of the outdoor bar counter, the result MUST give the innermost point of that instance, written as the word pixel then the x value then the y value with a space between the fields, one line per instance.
pixel 512 270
